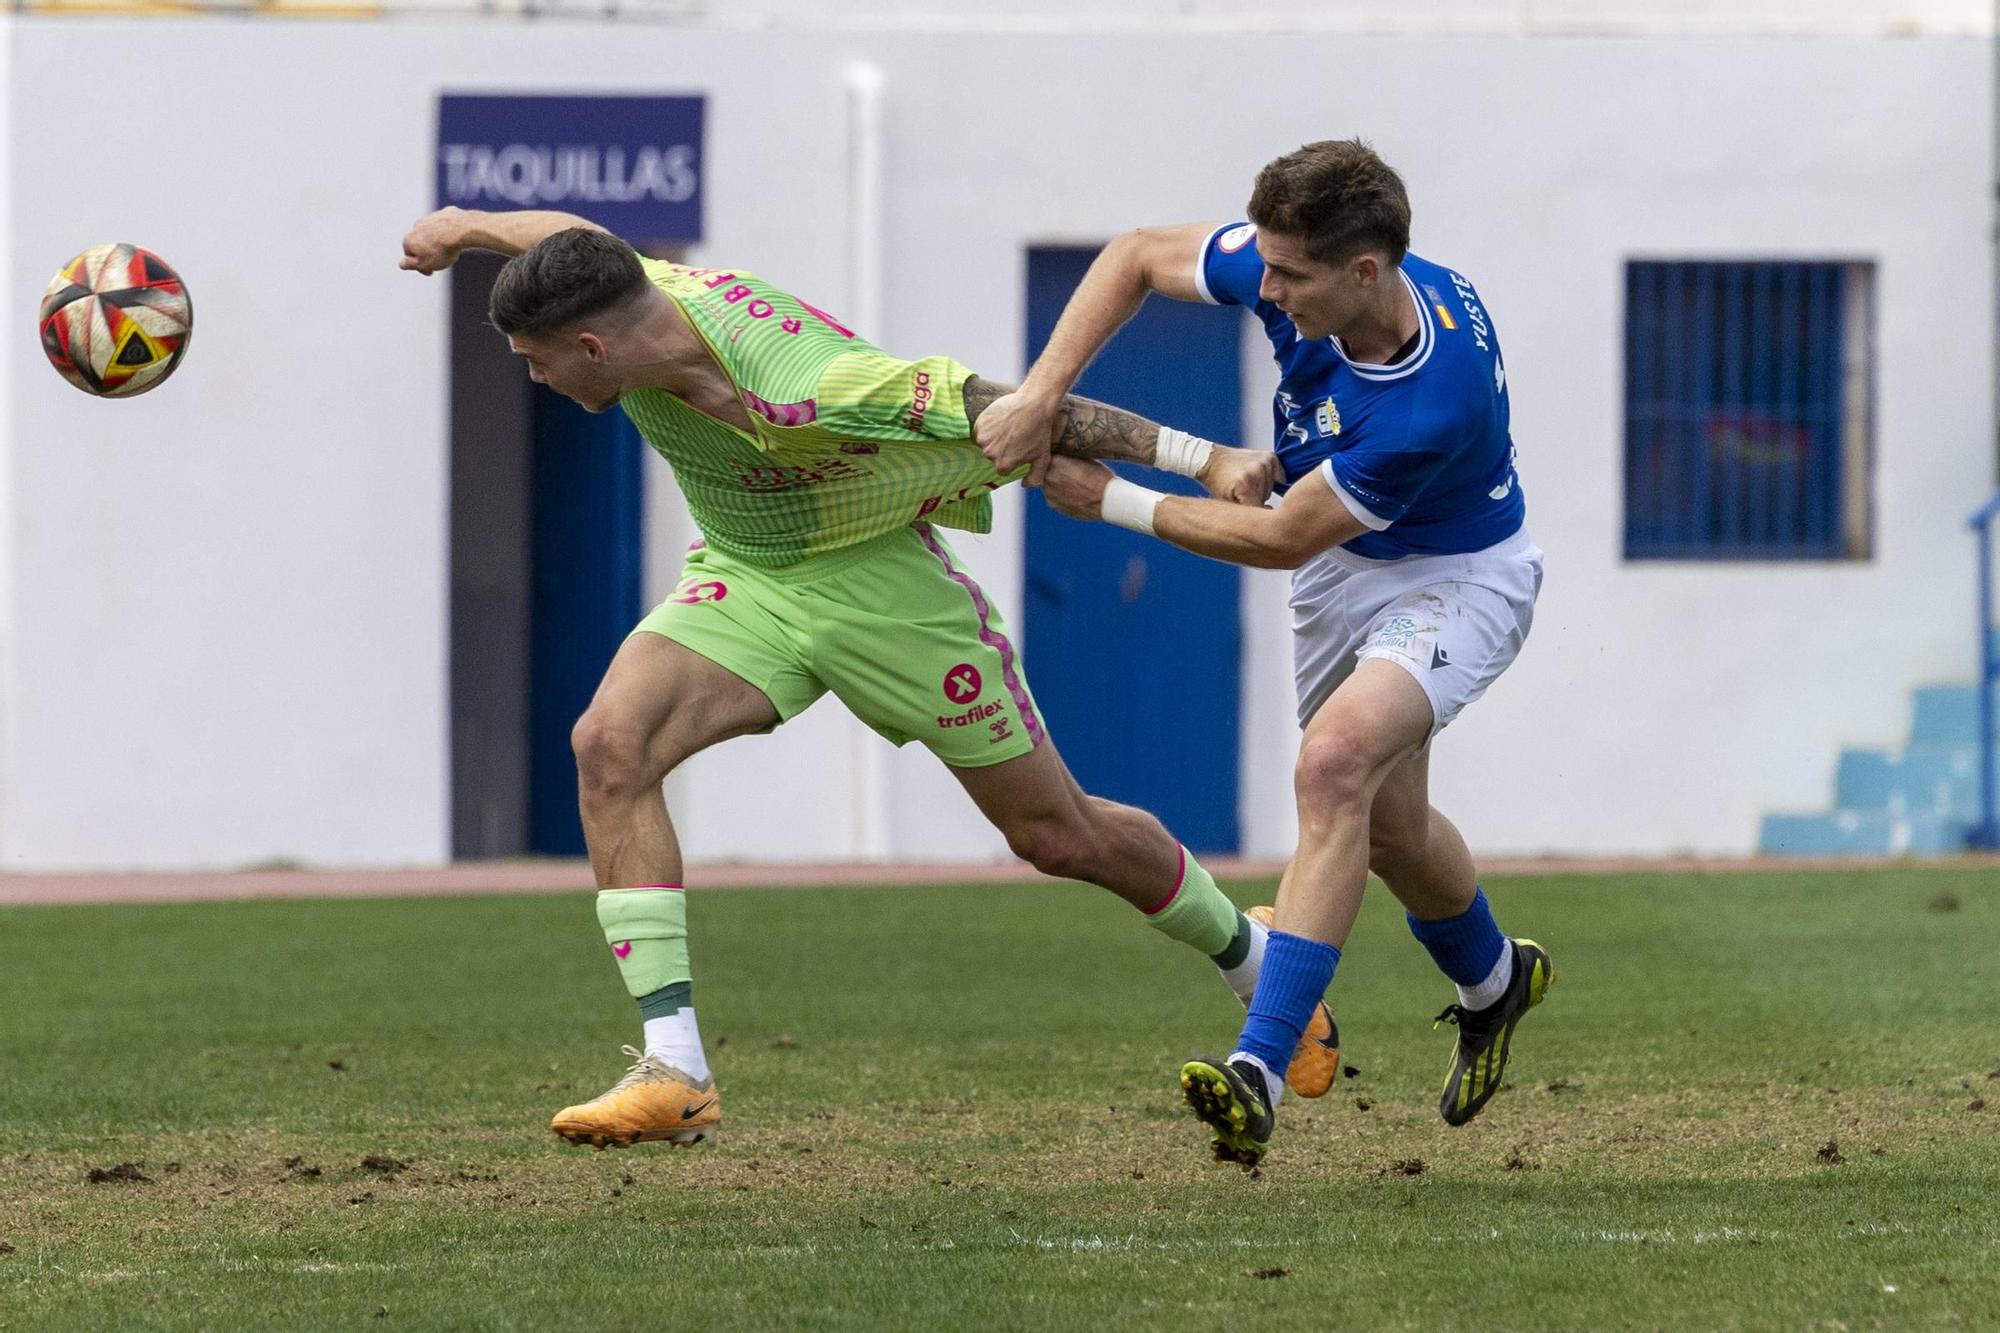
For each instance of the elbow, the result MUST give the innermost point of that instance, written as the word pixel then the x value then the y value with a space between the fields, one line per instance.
pixel 1284 550
pixel 1126 243
pixel 1277 555
pixel 1130 253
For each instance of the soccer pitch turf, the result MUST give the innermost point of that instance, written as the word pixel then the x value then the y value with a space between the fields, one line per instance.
pixel 1751 1101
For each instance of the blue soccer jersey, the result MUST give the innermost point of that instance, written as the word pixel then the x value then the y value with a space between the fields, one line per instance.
pixel 1418 450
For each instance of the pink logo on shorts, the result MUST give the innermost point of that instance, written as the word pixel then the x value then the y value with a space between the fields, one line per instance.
pixel 693 592
pixel 962 683
pixel 623 949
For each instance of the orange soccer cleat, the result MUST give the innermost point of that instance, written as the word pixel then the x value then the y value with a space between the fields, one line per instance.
pixel 654 1102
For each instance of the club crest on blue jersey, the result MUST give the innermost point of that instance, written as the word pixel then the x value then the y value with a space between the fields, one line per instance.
pixel 1327 417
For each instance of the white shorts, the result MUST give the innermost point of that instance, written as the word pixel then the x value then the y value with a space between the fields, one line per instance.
pixel 1454 622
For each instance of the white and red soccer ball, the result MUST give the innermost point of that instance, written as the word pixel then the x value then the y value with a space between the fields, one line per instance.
pixel 115 320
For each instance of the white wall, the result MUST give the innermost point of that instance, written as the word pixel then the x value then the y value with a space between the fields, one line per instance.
pixel 1598 17
pixel 12 299
pixel 230 596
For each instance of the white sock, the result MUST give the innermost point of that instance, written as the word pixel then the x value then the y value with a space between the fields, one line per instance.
pixel 1274 1084
pixel 1243 977
pixel 676 1040
pixel 1495 985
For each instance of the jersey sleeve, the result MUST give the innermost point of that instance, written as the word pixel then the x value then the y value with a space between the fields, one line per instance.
pixel 1378 479
pixel 1230 270
pixel 869 395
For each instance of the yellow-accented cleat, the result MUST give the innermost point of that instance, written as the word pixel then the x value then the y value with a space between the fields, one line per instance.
pixel 654 1102
pixel 1316 1059
pixel 1230 1099
pixel 1479 1056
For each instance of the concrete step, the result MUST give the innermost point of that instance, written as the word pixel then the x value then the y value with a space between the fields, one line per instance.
pixel 1944 715
pixel 1932 778
pixel 1862 833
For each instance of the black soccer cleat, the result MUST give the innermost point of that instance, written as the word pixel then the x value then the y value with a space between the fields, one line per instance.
pixel 1480 1056
pixel 1229 1098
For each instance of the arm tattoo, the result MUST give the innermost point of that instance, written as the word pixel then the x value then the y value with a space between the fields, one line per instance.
pixel 980 394
pixel 1086 428
pixel 1091 429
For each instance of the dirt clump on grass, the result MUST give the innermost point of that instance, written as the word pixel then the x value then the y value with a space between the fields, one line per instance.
pixel 124 1171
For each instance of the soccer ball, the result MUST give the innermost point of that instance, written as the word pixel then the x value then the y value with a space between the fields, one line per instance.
pixel 116 320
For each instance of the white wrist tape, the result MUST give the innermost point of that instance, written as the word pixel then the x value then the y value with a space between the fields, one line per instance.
pixel 1178 451
pixel 1130 506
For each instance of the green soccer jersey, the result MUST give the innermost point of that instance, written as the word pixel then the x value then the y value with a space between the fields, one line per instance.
pixel 849 442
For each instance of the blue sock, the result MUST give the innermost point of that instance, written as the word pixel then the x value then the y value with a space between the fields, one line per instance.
pixel 1465 946
pixel 1295 975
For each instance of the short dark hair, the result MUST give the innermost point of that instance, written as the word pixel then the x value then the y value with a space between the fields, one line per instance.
pixel 1339 196
pixel 570 276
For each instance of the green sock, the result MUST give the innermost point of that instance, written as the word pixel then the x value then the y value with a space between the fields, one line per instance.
pixel 667 1001
pixel 647 930
pixel 1198 914
pixel 1239 945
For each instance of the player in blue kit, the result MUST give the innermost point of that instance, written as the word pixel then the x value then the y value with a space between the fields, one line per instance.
pixel 1413 585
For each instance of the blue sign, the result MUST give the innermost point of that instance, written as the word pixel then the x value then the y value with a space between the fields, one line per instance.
pixel 630 164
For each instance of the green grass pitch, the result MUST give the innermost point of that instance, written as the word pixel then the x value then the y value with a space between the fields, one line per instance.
pixel 1751 1101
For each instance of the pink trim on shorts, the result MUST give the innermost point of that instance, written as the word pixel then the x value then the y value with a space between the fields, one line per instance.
pixel 635 888
pixel 991 637
pixel 784 414
pixel 1179 880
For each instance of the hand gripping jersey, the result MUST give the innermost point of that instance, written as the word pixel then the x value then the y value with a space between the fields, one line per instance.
pixel 1419 450
pixel 849 443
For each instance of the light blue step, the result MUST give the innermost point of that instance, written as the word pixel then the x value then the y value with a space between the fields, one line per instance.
pixel 1864 780
pixel 1939 779
pixel 1925 779
pixel 1945 715
pixel 1862 833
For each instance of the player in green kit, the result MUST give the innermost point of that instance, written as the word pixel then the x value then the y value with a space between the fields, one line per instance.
pixel 819 470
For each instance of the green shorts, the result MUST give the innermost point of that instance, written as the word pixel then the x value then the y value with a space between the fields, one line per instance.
pixel 894 627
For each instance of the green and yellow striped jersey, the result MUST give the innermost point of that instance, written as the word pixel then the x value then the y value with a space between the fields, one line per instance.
pixel 849 442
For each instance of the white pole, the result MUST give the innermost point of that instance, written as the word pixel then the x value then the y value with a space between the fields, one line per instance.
pixel 11 703
pixel 869 752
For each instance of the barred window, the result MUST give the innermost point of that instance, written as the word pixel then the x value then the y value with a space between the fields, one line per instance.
pixel 1749 413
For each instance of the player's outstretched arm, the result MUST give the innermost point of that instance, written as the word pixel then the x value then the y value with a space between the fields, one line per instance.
pixel 1024 424
pixel 1086 428
pixel 435 241
pixel 1311 519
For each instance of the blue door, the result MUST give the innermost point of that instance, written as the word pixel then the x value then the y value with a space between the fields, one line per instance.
pixel 587 528
pixel 1136 646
